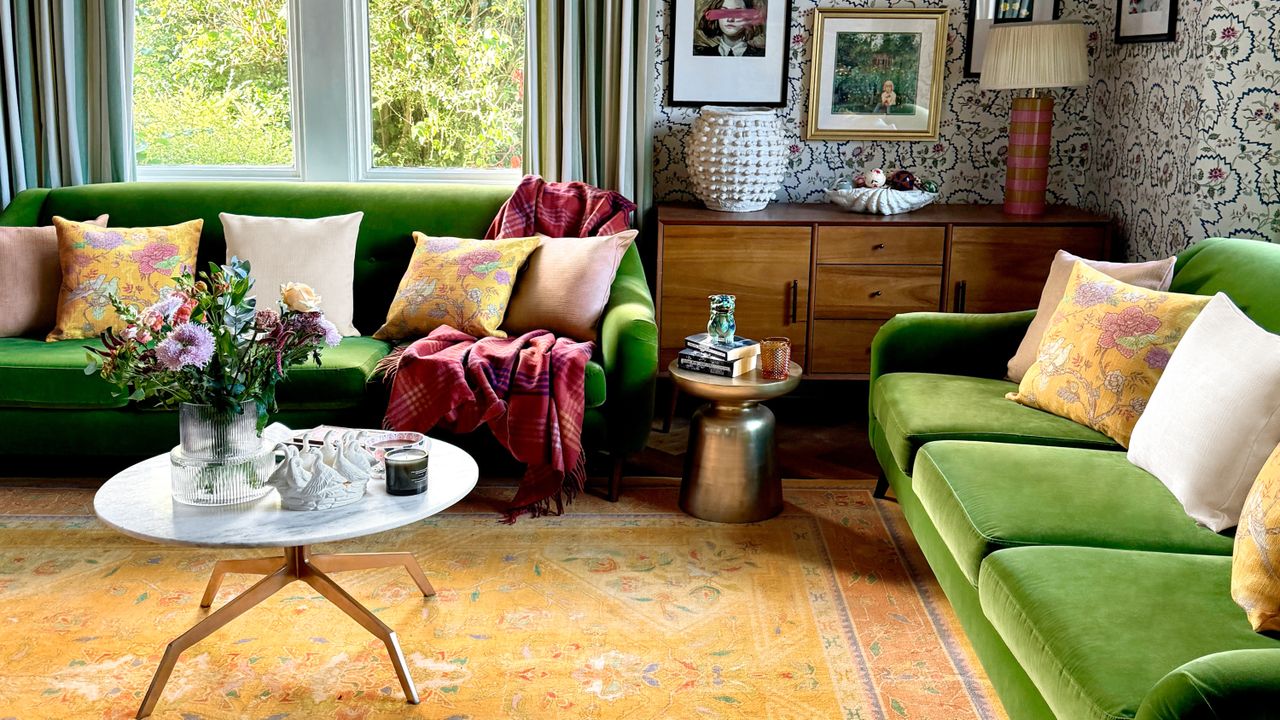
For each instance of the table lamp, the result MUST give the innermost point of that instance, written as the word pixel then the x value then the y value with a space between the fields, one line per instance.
pixel 1032 56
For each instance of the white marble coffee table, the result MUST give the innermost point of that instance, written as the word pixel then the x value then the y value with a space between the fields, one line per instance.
pixel 138 503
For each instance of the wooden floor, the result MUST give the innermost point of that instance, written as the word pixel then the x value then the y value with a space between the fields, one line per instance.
pixel 821 431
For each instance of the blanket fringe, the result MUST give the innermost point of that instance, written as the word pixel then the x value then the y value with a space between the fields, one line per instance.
pixel 387 366
pixel 574 484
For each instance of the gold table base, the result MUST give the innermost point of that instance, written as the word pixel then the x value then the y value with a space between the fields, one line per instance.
pixel 297 563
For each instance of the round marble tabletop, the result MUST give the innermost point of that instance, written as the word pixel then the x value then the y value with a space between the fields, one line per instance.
pixel 138 502
pixel 748 387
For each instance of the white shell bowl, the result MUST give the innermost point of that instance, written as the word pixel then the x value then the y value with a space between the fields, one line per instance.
pixel 880 201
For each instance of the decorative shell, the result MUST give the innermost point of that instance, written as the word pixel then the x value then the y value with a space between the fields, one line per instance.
pixel 736 158
pixel 880 201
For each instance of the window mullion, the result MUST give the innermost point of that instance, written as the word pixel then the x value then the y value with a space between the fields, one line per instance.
pixel 321 49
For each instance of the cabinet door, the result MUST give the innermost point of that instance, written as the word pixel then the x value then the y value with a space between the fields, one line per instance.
pixel 1003 268
pixel 766 267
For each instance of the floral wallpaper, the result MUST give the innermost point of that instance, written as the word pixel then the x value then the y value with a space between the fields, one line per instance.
pixel 1176 140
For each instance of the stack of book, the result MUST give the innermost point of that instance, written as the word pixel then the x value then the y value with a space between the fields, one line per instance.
pixel 722 359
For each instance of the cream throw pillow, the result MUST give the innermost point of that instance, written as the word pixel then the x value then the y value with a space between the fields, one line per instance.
pixel 30 277
pixel 1214 417
pixel 320 252
pixel 565 285
pixel 1154 275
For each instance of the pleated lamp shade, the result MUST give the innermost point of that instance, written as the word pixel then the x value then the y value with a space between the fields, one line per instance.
pixel 1020 56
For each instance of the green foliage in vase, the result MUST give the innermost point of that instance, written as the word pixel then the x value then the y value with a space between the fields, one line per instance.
pixel 205 341
pixel 211 82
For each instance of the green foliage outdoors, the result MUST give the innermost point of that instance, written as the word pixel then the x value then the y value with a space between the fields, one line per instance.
pixel 211 83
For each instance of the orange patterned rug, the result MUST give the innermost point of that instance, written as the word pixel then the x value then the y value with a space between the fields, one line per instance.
pixel 628 610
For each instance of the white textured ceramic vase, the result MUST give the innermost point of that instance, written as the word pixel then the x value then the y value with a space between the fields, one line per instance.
pixel 735 157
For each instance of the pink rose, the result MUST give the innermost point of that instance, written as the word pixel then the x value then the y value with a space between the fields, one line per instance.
pixel 1130 324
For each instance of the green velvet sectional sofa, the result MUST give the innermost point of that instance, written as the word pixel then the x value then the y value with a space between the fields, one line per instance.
pixel 1085 589
pixel 48 404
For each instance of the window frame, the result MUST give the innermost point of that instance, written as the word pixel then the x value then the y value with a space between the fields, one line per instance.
pixel 347 138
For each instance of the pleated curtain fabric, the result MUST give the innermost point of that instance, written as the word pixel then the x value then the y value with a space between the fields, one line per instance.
pixel 588 94
pixel 65 93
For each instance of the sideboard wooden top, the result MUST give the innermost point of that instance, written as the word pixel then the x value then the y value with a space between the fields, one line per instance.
pixel 800 213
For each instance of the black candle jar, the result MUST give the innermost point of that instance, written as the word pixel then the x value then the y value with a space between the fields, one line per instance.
pixel 406 471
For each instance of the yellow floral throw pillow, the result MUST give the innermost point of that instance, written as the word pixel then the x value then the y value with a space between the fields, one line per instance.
pixel 1255 562
pixel 465 284
pixel 1106 346
pixel 133 263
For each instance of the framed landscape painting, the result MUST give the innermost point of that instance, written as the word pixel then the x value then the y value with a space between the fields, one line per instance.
pixel 729 52
pixel 1146 20
pixel 876 74
pixel 983 14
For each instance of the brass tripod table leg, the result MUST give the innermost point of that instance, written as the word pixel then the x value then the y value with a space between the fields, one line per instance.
pixel 251 566
pixel 296 564
pixel 368 561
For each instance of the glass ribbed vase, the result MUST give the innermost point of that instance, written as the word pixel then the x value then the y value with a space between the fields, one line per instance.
pixel 221 459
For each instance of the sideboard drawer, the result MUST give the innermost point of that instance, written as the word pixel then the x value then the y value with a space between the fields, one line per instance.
pixel 881 245
pixel 861 291
pixel 842 346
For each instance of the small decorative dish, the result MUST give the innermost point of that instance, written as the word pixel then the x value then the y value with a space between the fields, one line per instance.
pixel 880 200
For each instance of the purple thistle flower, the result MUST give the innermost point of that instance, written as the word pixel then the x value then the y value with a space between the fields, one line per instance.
pixel 331 335
pixel 189 345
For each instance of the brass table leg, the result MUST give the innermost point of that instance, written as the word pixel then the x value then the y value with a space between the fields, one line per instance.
pixel 296 564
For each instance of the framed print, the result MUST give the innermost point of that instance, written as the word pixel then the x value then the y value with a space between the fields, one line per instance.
pixel 1146 20
pixel 876 73
pixel 985 13
pixel 728 52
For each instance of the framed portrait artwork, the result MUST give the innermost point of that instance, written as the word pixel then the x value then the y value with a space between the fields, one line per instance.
pixel 877 73
pixel 985 13
pixel 729 52
pixel 1146 20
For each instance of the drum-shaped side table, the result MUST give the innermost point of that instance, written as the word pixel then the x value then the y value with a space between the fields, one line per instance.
pixel 730 474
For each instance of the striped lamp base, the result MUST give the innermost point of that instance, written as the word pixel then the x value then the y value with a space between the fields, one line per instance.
pixel 1027 166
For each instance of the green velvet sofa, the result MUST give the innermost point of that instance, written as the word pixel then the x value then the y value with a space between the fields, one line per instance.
pixel 1085 589
pixel 48 405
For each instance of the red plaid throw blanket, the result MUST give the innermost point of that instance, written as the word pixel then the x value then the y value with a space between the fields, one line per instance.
pixel 530 391
pixel 572 209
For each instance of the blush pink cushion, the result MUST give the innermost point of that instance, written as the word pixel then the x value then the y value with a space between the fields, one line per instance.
pixel 565 285
pixel 1153 275
pixel 29 279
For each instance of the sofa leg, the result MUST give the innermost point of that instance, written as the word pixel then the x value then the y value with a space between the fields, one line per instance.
pixel 671 408
pixel 615 480
pixel 882 486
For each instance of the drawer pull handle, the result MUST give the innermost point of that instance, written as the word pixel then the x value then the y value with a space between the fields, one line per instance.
pixel 878 246
pixel 876 293
pixel 795 299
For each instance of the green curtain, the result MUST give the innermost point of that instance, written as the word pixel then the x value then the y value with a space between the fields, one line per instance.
pixel 65 93
pixel 589 94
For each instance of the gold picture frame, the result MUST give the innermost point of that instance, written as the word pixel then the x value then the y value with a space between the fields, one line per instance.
pixel 886 60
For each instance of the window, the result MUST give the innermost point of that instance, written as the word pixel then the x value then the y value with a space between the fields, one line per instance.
pixel 446 83
pixel 329 89
pixel 211 83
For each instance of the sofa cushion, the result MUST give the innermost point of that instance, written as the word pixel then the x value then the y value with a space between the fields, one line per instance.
pixel 338 381
pixel 916 408
pixel 983 497
pixel 37 374
pixel 1096 628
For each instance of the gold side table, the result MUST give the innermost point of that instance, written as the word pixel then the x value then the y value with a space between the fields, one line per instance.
pixel 730 474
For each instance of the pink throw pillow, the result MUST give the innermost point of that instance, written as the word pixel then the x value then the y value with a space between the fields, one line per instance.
pixel 29 279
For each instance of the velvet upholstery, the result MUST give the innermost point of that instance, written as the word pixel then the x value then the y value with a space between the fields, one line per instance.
pixel 916 408
pixel 982 497
pixel 1086 625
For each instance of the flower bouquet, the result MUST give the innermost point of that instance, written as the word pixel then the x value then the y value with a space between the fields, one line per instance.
pixel 206 347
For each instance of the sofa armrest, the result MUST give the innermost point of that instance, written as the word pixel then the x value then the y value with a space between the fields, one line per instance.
pixel 1237 684
pixel 973 344
pixel 24 209
pixel 629 347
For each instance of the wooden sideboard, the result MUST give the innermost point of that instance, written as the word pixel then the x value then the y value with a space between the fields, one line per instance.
pixel 828 279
